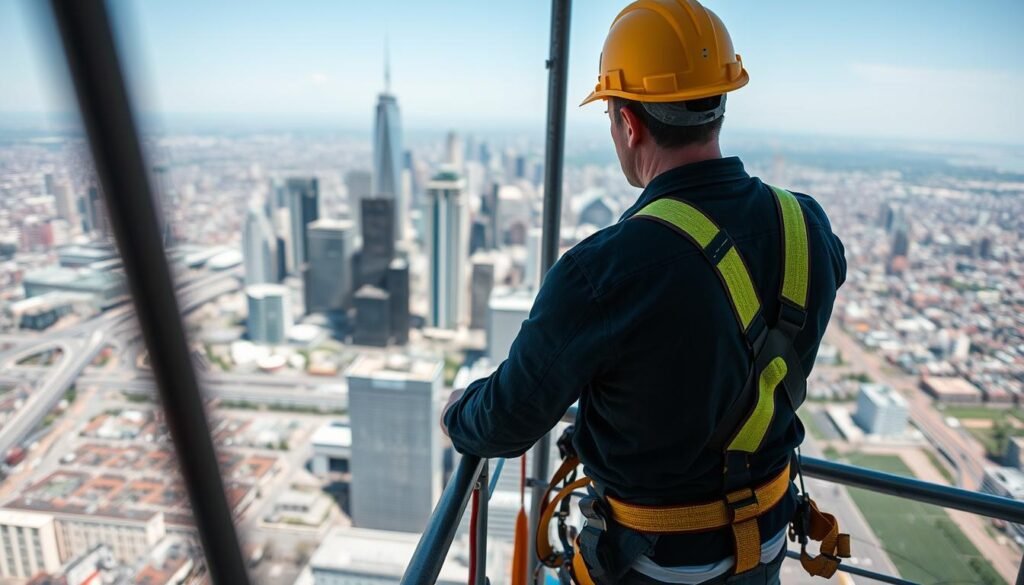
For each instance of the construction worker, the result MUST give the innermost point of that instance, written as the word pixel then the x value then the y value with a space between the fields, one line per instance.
pixel 656 324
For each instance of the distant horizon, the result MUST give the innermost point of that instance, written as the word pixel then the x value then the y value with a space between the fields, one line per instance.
pixel 919 70
pixel 173 123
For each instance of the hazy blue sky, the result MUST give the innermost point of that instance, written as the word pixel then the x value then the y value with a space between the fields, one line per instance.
pixel 920 69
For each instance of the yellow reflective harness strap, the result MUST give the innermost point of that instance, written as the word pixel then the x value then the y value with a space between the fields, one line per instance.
pixel 702 230
pixel 796 258
pixel 738 506
pixel 741 289
pixel 684 217
pixel 753 431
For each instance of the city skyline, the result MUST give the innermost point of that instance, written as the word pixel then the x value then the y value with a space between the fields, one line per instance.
pixel 334 289
pixel 867 70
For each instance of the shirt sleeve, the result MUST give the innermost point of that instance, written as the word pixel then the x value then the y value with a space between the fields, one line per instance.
pixel 558 351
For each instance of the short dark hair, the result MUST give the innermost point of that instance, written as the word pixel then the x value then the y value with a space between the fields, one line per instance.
pixel 668 136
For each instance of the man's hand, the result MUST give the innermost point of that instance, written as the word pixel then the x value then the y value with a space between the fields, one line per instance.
pixel 452 399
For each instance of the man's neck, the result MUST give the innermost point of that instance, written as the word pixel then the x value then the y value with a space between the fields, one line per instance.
pixel 670 159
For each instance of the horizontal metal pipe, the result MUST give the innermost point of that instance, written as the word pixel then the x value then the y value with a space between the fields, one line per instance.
pixel 846 568
pixel 914 489
pixel 431 552
pixel 426 562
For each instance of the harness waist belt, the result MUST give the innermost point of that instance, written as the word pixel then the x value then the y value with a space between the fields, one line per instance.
pixel 738 506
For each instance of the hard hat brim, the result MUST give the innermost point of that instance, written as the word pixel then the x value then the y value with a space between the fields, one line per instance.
pixel 682 96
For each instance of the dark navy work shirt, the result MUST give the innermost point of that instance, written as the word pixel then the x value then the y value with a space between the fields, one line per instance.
pixel 634 323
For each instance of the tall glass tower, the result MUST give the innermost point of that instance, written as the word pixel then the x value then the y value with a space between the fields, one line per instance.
pixel 387 152
pixel 448 247
pixel 259 248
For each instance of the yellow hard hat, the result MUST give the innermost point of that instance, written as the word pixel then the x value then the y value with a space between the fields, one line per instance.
pixel 667 51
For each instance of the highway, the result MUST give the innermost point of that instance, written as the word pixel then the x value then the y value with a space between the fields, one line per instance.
pixel 325 393
pixel 80 343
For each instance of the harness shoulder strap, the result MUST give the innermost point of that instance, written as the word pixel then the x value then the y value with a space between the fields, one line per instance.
pixel 777 363
pixel 796 263
pixel 719 250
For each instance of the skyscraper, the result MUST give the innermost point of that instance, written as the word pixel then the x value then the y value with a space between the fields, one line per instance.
pixel 454 154
pixel 67 206
pixel 95 212
pixel 329 277
pixel 303 208
pixel 259 248
pixel 398 287
pixel 373 316
pixel 359 185
pixel 481 285
pixel 387 152
pixel 394 404
pixel 447 242
pixel 269 313
pixel 378 219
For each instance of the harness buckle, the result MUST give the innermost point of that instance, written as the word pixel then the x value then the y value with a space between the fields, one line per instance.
pixel 801 525
pixel 743 508
pixel 591 509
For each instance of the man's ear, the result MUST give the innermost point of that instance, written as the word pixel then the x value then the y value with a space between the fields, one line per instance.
pixel 634 127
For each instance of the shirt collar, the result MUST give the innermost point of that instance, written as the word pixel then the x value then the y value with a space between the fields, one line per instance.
pixel 687 177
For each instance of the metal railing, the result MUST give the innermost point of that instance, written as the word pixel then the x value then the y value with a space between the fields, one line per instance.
pixel 430 554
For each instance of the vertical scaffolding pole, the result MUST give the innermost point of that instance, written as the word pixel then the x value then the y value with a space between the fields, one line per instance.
pixel 95 70
pixel 558 76
pixel 483 497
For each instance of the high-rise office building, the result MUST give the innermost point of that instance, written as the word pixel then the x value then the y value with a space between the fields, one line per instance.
pixel 447 243
pixel 373 316
pixel 95 213
pixel 881 410
pixel 329 270
pixel 478 235
pixel 506 312
pixel 259 248
pixel 387 153
pixel 454 154
pixel 378 220
pixel 303 208
pixel 359 184
pixel 398 288
pixel 269 313
pixel 394 404
pixel 481 285
pixel 490 206
pixel 67 206
pixel 278 196
pixel 280 257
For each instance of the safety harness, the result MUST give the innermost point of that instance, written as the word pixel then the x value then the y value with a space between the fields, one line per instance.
pixel 617 532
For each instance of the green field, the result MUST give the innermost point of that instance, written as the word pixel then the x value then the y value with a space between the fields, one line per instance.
pixel 994 439
pixel 983 412
pixel 924 543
